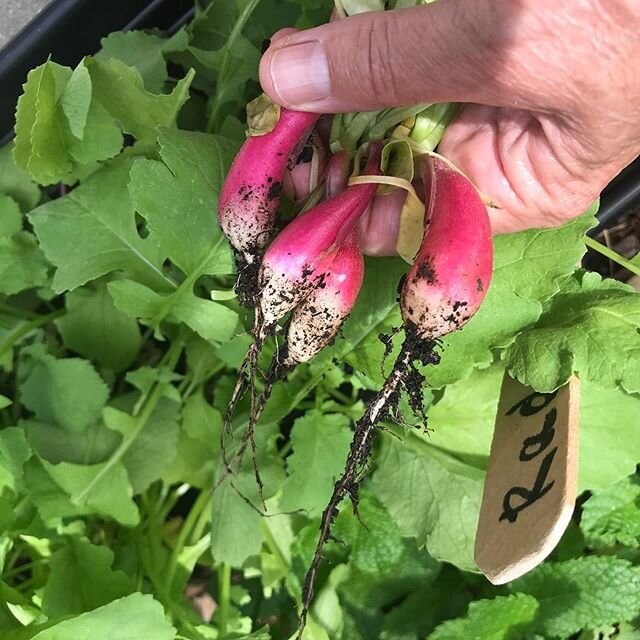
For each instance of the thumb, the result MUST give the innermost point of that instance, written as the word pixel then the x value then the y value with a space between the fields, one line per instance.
pixel 454 51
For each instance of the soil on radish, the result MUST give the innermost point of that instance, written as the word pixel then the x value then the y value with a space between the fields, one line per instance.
pixel 274 190
pixel 247 288
pixel 426 272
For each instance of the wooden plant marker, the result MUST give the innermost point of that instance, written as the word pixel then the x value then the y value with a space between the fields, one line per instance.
pixel 530 488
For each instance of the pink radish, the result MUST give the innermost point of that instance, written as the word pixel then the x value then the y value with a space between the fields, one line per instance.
pixel 316 321
pixel 445 287
pixel 296 261
pixel 451 273
pixel 250 196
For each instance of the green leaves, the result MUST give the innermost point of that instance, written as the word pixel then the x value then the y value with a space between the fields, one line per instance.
pixel 11 218
pixel 120 90
pixel 501 618
pixel 96 329
pixel 14 452
pixel 85 464
pixel 575 334
pixel 40 146
pixel 98 488
pixel 312 473
pixel 440 498
pixel 65 392
pixel 152 447
pixel 609 449
pixel 212 321
pixel 587 592
pixel 82 580
pixel 376 548
pixel 141 50
pixel 136 616
pixel 555 600
pixel 462 420
pixel 16 182
pixel 612 516
pixel 237 524
pixel 92 232
pixel 76 101
pixel 67 122
pixel 22 265
pixel 178 197
pixel 61 131
pixel 198 447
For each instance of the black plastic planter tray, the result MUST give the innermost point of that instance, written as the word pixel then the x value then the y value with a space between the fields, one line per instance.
pixel 67 30
pixel 70 29
pixel 620 197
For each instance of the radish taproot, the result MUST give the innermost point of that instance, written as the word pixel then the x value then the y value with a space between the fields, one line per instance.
pixel 444 288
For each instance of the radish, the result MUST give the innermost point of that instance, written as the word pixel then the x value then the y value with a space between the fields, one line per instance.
pixel 451 273
pixel 296 263
pixel 314 324
pixel 316 321
pixel 444 288
pixel 250 196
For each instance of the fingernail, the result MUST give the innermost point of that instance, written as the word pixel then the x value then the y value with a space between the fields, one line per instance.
pixel 300 73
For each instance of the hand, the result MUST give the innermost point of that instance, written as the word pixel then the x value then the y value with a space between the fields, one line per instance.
pixel 553 91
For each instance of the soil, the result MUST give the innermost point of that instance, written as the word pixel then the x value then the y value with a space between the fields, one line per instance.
pixel 247 287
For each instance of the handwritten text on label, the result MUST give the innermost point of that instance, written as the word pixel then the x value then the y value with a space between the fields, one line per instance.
pixel 532 447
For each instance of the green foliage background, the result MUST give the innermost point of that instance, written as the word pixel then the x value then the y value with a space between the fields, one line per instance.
pixel 119 344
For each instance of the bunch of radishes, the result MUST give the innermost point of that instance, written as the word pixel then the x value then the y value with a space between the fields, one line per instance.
pixel 310 274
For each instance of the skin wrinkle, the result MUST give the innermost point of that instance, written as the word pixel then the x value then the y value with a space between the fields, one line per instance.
pixel 516 143
pixel 539 157
pixel 383 79
pixel 619 14
pixel 502 156
pixel 361 90
pixel 558 132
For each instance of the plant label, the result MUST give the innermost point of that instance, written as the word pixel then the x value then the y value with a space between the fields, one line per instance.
pixel 530 488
